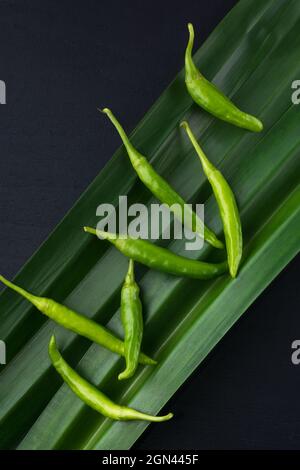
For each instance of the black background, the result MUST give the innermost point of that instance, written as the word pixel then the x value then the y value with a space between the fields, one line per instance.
pixel 62 59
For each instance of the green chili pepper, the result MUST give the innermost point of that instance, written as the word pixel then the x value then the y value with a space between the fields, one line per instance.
pixel 227 206
pixel 91 395
pixel 161 189
pixel 75 322
pixel 209 97
pixel 132 319
pixel 160 258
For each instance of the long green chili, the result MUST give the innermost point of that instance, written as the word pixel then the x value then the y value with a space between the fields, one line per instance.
pixel 161 189
pixel 209 97
pixel 73 321
pixel 160 258
pixel 227 206
pixel 92 396
pixel 132 319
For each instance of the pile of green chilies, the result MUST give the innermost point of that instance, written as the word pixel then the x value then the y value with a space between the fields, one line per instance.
pixel 206 95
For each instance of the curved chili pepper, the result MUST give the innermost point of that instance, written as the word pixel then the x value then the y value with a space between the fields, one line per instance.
pixel 75 322
pixel 209 97
pixel 160 258
pixel 132 319
pixel 161 189
pixel 91 395
pixel 227 206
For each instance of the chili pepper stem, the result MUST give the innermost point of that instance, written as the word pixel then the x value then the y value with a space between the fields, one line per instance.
pixel 189 64
pixel 207 166
pixel 35 300
pixel 130 273
pixel 112 237
pixel 53 352
pixel 100 233
pixel 128 145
